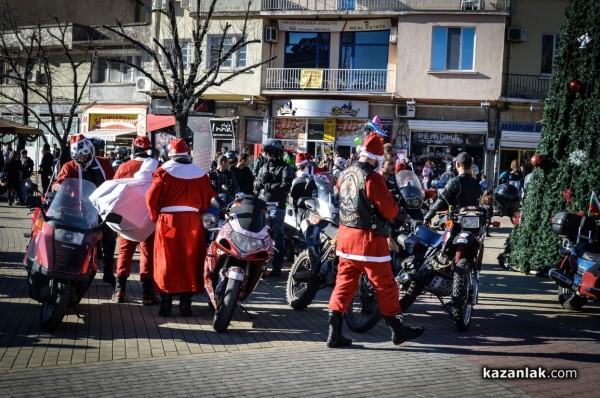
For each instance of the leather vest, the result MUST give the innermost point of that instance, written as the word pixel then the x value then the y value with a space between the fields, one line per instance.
pixel 355 209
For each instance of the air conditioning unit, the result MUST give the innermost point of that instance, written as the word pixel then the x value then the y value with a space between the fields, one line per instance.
pixel 143 84
pixel 270 35
pixel 158 5
pixel 407 110
pixel 516 34
pixel 185 3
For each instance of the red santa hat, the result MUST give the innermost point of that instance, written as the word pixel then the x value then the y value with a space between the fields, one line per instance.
pixel 178 148
pixel 301 158
pixel 76 138
pixel 372 148
pixel 142 142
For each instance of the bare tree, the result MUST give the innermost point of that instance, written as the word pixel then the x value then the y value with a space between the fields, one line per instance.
pixel 183 87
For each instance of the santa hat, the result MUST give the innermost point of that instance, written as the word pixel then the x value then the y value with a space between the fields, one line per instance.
pixel 372 148
pixel 76 138
pixel 301 158
pixel 178 148
pixel 142 142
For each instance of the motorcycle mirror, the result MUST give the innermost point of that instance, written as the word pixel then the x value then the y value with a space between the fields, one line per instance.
pixel 113 218
pixel 239 196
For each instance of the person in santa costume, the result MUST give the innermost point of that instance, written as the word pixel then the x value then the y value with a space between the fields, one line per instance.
pixel 180 193
pixel 142 150
pixel 306 165
pixel 86 166
pixel 366 205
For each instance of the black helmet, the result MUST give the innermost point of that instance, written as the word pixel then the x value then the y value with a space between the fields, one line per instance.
pixel 507 199
pixel 273 146
pixel 122 152
pixel 232 156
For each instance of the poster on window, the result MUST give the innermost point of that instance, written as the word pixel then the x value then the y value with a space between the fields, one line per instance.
pixel 346 130
pixel 290 128
pixel 329 130
pixel 311 78
pixel 387 125
pixel 294 145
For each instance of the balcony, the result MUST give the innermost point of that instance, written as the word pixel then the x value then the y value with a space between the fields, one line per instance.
pixel 530 87
pixel 383 5
pixel 356 81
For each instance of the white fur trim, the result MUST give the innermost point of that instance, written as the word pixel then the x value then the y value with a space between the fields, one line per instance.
pixel 302 162
pixel 373 259
pixel 183 171
pixel 370 155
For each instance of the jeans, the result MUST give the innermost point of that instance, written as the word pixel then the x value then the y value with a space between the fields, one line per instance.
pixel 276 218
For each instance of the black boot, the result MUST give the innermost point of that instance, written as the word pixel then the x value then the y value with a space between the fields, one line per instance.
pixel 185 304
pixel 166 303
pixel 109 276
pixel 148 296
pixel 119 295
pixel 402 333
pixel 335 338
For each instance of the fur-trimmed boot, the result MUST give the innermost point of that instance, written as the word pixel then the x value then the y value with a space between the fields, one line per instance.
pixel 401 333
pixel 148 295
pixel 109 276
pixel 336 339
pixel 120 288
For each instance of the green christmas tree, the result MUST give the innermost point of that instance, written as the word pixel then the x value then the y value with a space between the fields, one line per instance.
pixel 569 145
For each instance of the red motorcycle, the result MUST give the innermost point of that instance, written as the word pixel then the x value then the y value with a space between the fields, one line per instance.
pixel 60 258
pixel 236 259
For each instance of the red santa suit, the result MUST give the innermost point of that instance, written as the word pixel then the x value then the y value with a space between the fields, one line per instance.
pixel 72 170
pixel 362 250
pixel 180 193
pixel 127 247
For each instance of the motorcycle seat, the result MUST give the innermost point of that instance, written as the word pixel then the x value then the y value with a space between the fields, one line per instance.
pixel 593 257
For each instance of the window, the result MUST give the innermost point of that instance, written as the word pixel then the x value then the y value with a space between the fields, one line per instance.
pixel 237 59
pixel 116 72
pixel 453 49
pixel 187 54
pixel 307 50
pixel 364 50
pixel 548 52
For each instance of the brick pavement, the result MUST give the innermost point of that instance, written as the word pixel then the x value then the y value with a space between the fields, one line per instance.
pixel 274 351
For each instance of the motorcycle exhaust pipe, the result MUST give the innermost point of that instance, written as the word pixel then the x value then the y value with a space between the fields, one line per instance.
pixel 561 279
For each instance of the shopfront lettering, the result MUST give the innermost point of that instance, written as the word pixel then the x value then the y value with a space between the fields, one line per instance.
pixel 438 138
pixel 345 109
pixel 521 126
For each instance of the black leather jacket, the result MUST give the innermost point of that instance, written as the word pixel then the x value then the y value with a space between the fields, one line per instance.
pixel 459 192
pixel 274 181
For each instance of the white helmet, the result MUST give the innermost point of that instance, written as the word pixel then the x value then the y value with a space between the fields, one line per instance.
pixel 82 151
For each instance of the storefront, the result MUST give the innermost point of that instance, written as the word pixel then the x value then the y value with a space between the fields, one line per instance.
pixel 117 124
pixel 518 142
pixel 223 132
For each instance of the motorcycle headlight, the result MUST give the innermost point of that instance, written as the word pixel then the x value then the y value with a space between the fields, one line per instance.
pixel 245 243
pixel 470 222
pixel 414 203
pixel 209 220
pixel 63 235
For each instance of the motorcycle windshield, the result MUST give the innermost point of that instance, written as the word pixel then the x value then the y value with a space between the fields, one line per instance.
pixel 251 213
pixel 409 185
pixel 71 207
pixel 325 188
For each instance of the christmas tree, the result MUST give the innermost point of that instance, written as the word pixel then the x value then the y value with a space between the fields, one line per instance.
pixel 568 159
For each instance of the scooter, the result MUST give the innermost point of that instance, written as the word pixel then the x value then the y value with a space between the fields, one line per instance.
pixel 237 257
pixel 60 258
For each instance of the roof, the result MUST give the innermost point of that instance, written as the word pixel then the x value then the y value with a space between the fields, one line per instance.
pixel 9 127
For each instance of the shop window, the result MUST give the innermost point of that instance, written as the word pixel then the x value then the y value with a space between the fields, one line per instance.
pixel 254 131
pixel 116 72
pixel 315 129
pixel 307 50
pixel 548 53
pixel 236 60
pixel 453 49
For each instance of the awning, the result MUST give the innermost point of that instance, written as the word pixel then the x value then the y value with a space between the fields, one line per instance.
pixel 448 126
pixel 8 127
pixel 158 122
pixel 519 139
pixel 108 135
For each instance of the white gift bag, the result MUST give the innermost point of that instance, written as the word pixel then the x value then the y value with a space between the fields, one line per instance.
pixel 127 197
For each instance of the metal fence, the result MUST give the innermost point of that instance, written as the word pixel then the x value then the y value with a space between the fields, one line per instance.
pixel 525 86
pixel 357 80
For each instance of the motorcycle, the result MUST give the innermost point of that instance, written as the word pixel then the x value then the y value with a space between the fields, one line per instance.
pixel 60 258
pixel 451 264
pixel 578 274
pixel 237 257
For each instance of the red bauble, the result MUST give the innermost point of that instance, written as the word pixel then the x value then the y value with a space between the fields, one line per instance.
pixel 568 196
pixel 537 160
pixel 575 86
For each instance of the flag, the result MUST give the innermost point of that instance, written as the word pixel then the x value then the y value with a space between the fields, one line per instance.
pixel 594 204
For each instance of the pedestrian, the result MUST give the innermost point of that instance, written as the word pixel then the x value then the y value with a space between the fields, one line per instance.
pixel 487 202
pixel 426 175
pixel 89 167
pixel 514 175
pixel 6 152
pixel 46 165
pixel 12 168
pixel 484 183
pixel 26 173
pixel 180 193
pixel 142 150
pixel 243 175
pixel 273 184
pixel 365 202
pixel 222 179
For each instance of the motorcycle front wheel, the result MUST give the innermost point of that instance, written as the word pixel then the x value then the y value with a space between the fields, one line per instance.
pixel 569 300
pixel 300 293
pixel 363 313
pixel 461 290
pixel 226 305
pixel 52 312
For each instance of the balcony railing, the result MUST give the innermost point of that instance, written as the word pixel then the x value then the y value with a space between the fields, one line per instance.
pixel 339 80
pixel 525 86
pixel 384 5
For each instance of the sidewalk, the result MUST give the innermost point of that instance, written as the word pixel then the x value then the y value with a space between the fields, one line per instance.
pixel 272 350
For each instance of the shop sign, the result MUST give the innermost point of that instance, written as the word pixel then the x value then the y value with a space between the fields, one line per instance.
pixel 113 122
pixel 222 129
pixel 329 130
pixel 317 25
pixel 521 126
pixel 160 106
pixel 437 138
pixel 321 108
pixel 311 78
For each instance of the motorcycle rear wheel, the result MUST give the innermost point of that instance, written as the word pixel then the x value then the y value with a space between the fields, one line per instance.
pixel 299 295
pixel 52 313
pixel 363 313
pixel 569 300
pixel 226 306
pixel 461 290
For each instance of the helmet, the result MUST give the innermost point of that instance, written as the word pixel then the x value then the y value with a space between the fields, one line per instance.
pixel 449 166
pixel 82 152
pixel 117 163
pixel 232 156
pixel 507 199
pixel 340 163
pixel 122 152
pixel 273 146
